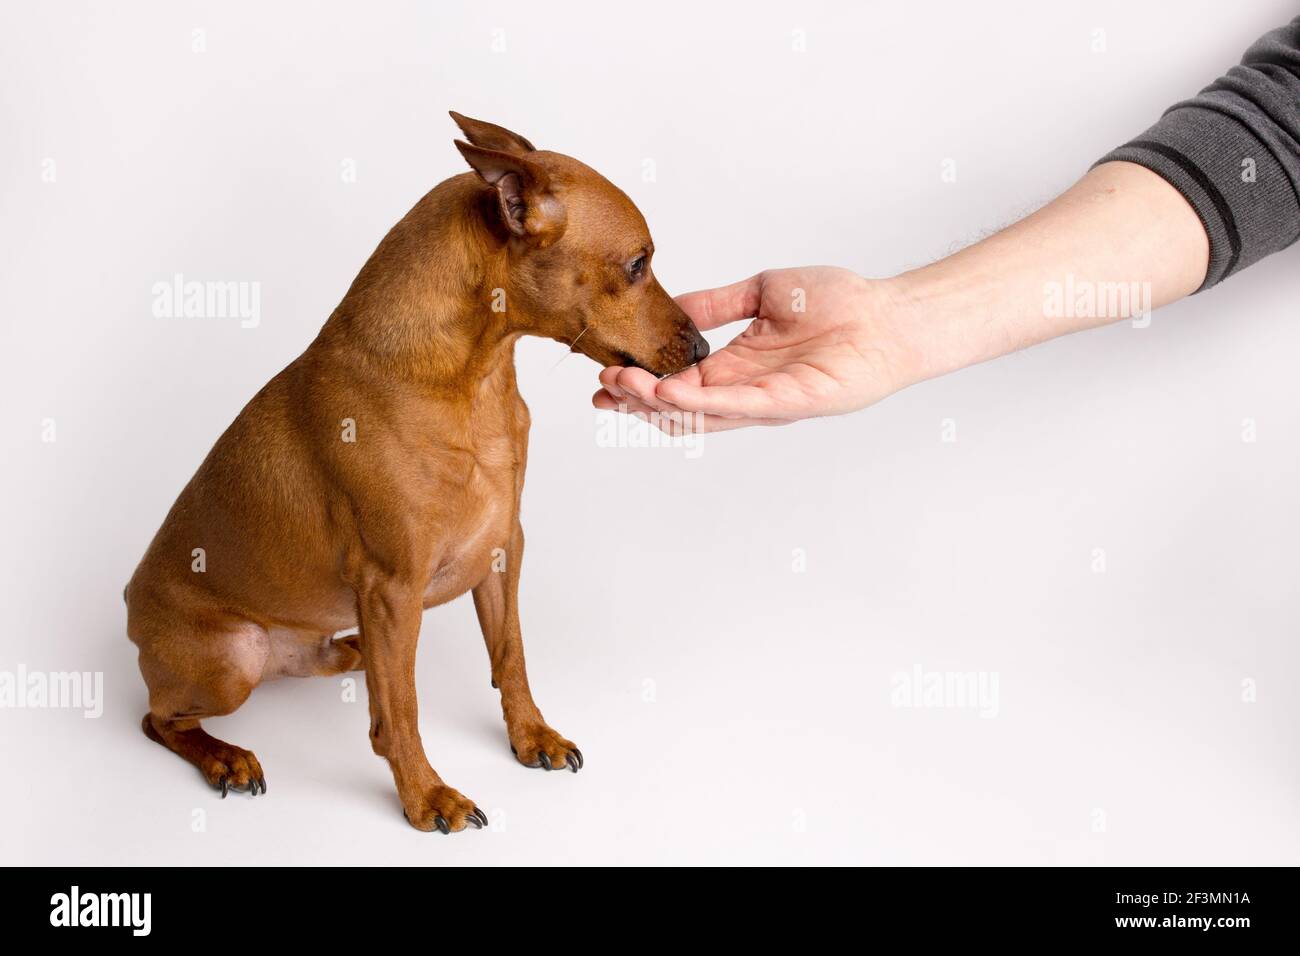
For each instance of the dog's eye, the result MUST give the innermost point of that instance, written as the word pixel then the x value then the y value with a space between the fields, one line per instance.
pixel 636 268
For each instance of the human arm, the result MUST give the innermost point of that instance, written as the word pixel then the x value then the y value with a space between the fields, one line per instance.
pixel 1208 190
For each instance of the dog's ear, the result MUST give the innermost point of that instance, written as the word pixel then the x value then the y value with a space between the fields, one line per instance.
pixel 490 136
pixel 528 207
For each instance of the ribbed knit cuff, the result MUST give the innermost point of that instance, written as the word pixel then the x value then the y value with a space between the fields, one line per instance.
pixel 1231 178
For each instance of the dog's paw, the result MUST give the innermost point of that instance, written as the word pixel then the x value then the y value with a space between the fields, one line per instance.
pixel 540 746
pixel 228 767
pixel 445 810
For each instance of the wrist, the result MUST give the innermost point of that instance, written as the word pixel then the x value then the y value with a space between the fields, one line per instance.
pixel 902 318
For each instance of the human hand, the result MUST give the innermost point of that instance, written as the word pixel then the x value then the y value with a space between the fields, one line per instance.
pixel 822 342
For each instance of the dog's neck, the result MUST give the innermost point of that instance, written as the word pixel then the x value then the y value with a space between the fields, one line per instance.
pixel 432 304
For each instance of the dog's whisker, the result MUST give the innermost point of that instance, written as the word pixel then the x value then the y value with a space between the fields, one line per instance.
pixel 572 346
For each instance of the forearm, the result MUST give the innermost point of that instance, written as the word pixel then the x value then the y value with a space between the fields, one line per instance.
pixel 1222 192
pixel 1118 243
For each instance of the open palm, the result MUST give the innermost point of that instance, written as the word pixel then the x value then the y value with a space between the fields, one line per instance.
pixel 812 349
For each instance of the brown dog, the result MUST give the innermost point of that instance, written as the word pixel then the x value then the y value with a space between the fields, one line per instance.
pixel 380 473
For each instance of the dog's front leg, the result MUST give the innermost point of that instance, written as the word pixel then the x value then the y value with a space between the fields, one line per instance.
pixel 390 613
pixel 496 599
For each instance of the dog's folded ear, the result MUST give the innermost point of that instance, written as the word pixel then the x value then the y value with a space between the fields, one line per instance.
pixel 491 136
pixel 529 209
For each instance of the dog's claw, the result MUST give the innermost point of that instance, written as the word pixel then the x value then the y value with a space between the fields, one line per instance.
pixel 262 780
pixel 481 815
pixel 553 752
pixel 494 685
pixel 474 821
pixel 441 824
pixel 225 787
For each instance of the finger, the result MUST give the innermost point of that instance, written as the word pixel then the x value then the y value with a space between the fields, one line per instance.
pixel 609 379
pixel 710 308
pixel 606 402
pixel 728 401
pixel 639 384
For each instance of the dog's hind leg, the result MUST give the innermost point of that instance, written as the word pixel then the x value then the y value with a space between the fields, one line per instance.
pixel 198 675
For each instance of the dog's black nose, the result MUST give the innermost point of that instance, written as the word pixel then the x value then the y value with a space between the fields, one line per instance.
pixel 699 348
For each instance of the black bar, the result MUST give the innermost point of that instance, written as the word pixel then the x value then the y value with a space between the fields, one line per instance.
pixel 1168 906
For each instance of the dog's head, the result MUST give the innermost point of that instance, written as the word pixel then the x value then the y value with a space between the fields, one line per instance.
pixel 580 255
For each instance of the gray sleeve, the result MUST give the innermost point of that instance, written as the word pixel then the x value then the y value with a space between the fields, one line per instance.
pixel 1234 152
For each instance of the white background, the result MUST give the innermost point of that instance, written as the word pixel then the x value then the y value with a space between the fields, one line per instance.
pixel 770 736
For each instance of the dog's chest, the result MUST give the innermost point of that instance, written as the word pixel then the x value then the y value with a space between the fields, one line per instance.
pixel 475 529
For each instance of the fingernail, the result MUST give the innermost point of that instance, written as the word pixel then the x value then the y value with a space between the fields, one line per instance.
pixel 616 391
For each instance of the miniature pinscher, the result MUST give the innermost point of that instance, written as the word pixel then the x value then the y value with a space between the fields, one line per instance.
pixel 380 473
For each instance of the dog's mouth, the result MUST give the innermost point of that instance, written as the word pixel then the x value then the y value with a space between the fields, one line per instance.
pixel 669 360
pixel 678 350
pixel 611 356
pixel 628 361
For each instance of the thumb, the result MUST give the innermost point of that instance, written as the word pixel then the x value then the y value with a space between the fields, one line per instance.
pixel 710 308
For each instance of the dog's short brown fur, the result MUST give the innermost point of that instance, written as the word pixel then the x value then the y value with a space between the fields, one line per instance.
pixel 377 474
